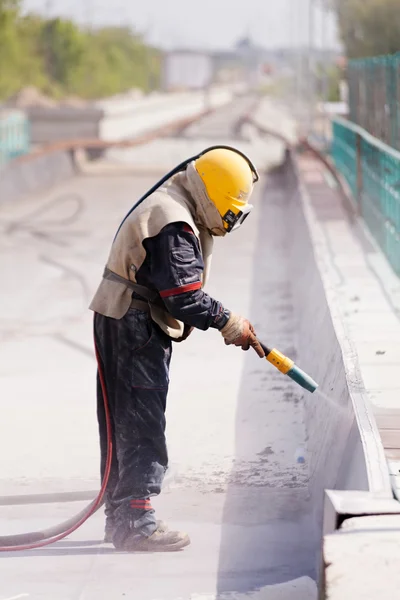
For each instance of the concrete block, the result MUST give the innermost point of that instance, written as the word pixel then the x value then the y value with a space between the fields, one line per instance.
pixel 362 559
pixel 55 124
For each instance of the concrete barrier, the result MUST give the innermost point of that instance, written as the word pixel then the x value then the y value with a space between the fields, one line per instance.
pixel 120 118
pixel 64 123
pixel 321 353
pixel 344 448
pixel 54 163
pixel 323 327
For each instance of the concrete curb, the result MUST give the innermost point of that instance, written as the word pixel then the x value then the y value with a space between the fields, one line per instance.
pixel 345 446
pixel 376 468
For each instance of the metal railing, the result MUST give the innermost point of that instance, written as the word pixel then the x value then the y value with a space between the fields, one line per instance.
pixel 372 170
pixel 374 96
pixel 14 135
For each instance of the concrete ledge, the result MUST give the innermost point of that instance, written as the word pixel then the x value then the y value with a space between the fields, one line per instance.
pixel 343 505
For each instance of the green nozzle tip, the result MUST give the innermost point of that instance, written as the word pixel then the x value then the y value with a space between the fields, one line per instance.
pixel 304 380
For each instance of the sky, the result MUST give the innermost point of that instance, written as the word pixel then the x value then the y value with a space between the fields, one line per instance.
pixel 212 24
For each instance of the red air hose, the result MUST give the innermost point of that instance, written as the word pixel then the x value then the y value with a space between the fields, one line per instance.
pixel 38 539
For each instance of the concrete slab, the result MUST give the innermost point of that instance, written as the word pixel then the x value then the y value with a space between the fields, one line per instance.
pixel 234 423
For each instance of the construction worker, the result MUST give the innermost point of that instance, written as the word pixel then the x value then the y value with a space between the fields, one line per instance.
pixel 152 294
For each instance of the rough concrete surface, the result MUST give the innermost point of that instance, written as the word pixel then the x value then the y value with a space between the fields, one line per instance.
pixel 234 423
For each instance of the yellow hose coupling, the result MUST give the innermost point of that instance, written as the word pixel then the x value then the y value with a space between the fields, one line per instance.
pixel 280 361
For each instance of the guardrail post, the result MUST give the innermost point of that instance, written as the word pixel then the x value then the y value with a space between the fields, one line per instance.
pixel 359 173
pixel 14 135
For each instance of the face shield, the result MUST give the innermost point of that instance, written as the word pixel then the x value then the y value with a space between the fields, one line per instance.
pixel 233 221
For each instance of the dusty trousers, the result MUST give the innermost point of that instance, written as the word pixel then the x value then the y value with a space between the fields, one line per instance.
pixel 134 357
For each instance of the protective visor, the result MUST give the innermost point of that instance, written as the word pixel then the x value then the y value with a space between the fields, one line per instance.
pixel 233 221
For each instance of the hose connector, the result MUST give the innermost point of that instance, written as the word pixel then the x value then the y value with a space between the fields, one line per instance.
pixel 286 366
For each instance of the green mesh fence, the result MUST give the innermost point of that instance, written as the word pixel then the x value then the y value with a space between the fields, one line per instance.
pixel 344 151
pixel 14 135
pixel 374 96
pixel 372 170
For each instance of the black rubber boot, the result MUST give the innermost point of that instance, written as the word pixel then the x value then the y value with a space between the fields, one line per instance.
pixel 162 540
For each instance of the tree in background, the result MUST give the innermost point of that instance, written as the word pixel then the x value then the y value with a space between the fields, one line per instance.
pixel 9 49
pixel 60 58
pixel 62 46
pixel 369 27
pixel 117 60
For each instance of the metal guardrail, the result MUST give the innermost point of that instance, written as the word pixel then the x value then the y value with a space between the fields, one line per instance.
pixel 374 96
pixel 14 135
pixel 372 170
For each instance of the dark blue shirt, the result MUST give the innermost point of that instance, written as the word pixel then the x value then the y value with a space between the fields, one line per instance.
pixel 173 267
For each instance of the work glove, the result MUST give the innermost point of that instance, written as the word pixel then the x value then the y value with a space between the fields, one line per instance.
pixel 240 332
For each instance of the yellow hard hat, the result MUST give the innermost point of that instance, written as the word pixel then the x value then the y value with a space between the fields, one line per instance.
pixel 228 176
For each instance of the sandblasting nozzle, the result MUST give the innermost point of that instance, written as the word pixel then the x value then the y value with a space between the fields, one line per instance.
pixel 286 366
